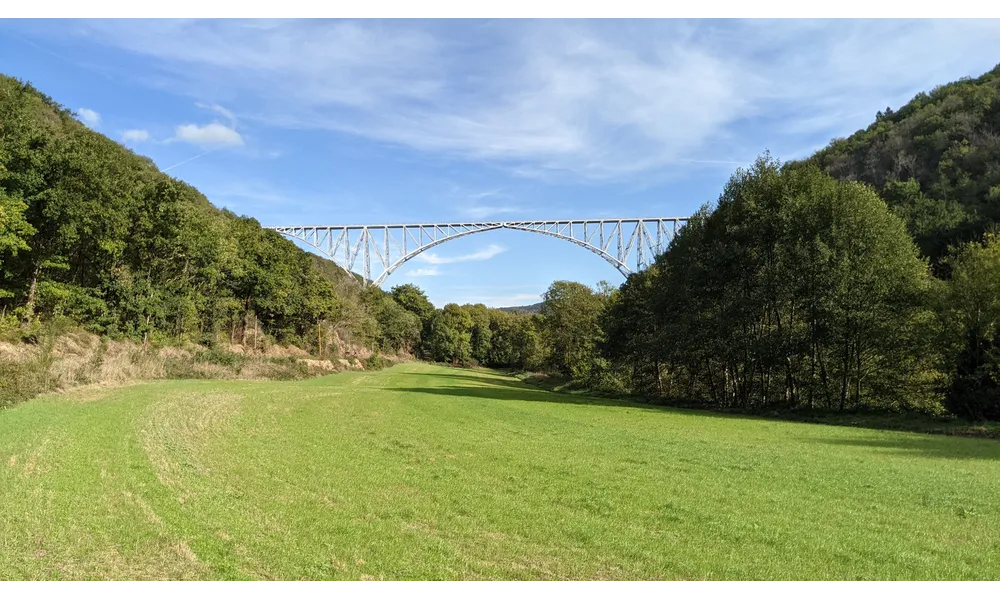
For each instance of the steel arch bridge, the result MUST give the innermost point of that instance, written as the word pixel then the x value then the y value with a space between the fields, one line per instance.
pixel 625 243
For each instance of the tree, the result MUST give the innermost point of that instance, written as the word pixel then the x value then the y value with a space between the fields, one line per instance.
pixel 449 335
pixel 413 299
pixel 480 334
pixel 92 231
pixel 796 289
pixel 933 160
pixel 972 313
pixel 14 229
pixel 399 329
pixel 570 313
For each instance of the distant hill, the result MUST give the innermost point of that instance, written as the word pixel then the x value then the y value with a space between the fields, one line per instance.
pixel 531 309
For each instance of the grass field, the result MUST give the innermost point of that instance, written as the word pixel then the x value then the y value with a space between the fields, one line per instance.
pixel 423 472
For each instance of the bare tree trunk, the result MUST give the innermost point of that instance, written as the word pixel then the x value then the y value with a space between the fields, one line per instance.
pixel 29 307
pixel 711 382
pixel 255 331
pixel 825 381
pixel 845 372
pixel 857 381
pixel 659 377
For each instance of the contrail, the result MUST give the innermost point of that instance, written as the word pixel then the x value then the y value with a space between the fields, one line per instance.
pixel 187 160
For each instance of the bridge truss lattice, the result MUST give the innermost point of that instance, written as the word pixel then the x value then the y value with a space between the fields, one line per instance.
pixel 629 245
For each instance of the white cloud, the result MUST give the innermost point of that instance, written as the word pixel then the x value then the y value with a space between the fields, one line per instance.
pixel 428 272
pixel 211 136
pixel 135 135
pixel 587 100
pixel 485 254
pixel 91 118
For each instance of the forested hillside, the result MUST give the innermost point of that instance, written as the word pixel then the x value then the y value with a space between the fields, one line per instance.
pixel 95 232
pixel 936 161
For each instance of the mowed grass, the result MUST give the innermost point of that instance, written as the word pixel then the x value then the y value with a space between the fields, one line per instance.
pixel 423 472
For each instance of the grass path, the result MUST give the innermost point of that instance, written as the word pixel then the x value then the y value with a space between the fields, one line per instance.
pixel 424 472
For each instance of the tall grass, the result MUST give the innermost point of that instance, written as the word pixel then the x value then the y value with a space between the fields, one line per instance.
pixel 60 356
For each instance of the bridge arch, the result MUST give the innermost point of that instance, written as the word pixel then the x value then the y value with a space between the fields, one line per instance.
pixel 628 245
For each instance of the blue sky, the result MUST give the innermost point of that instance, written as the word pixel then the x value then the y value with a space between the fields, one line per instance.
pixel 344 122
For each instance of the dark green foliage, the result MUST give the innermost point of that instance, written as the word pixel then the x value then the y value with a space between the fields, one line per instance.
pixel 376 362
pixel 570 313
pixel 797 290
pixel 473 334
pixel 971 310
pixel 449 336
pixel 398 328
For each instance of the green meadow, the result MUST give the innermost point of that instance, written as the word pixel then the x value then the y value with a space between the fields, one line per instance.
pixel 427 472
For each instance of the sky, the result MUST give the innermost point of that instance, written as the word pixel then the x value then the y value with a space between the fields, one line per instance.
pixel 332 122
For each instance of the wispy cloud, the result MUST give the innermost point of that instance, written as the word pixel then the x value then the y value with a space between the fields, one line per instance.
pixel 482 211
pixel 485 254
pixel 579 99
pixel 225 112
pixel 426 272
pixel 483 204
pixel 90 117
pixel 135 135
pixel 211 136
pixel 282 205
pixel 186 160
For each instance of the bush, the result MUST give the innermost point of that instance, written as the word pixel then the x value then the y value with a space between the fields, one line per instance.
pixel 376 362
pixel 223 358
pixel 19 381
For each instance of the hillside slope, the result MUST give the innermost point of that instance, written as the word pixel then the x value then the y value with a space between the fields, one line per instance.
pixel 936 161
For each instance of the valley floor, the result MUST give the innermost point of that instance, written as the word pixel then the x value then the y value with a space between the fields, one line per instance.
pixel 427 472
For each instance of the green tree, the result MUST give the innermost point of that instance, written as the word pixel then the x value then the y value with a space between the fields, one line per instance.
pixel 413 299
pixel 972 313
pixel 570 314
pixel 795 289
pixel 449 335
pixel 480 334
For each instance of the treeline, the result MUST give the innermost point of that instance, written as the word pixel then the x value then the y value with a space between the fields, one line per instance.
pixel 91 232
pixel 563 337
pixel 866 277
